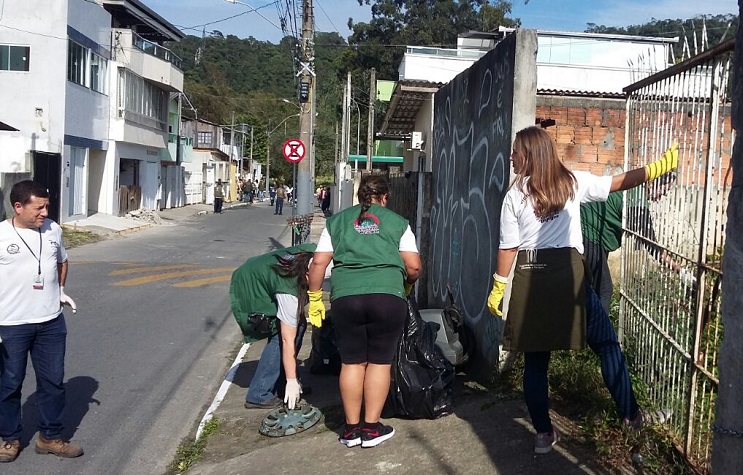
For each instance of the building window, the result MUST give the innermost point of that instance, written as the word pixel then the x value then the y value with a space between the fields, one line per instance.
pixel 77 58
pixel 98 68
pixel 142 101
pixel 204 138
pixel 14 58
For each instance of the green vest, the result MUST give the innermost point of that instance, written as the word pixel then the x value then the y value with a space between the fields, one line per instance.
pixel 366 255
pixel 601 221
pixel 254 286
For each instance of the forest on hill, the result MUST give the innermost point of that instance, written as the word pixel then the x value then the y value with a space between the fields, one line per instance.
pixel 226 75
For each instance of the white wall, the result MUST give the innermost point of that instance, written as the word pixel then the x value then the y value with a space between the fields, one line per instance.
pixel 34 101
pixel 425 67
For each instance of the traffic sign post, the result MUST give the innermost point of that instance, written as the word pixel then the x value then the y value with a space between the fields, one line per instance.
pixel 293 150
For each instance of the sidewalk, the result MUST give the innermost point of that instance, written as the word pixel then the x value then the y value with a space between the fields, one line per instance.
pixel 108 225
pixel 487 433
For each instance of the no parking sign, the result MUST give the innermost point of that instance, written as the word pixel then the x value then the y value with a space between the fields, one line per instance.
pixel 293 150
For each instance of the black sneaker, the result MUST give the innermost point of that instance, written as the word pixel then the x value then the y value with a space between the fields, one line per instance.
pixel 270 404
pixel 351 438
pixel 373 436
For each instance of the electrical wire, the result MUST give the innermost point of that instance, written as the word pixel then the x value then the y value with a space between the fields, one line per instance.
pixel 326 16
pixel 196 27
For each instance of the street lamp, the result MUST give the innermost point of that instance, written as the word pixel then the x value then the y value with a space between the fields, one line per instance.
pixel 268 147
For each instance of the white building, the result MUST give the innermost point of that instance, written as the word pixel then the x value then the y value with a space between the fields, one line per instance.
pixel 91 105
pixel 55 95
pixel 143 163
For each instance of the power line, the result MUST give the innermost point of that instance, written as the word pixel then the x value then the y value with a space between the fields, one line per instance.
pixel 326 16
pixel 251 10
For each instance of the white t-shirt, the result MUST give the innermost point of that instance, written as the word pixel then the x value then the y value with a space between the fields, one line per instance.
pixel 20 302
pixel 287 311
pixel 520 227
pixel 407 242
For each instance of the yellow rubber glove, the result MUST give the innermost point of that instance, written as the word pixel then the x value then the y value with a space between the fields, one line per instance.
pixel 408 288
pixel 496 295
pixel 317 308
pixel 669 161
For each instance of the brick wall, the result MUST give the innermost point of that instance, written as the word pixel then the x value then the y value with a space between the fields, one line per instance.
pixel 589 132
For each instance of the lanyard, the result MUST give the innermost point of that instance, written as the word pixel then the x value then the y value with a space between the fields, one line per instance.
pixel 38 259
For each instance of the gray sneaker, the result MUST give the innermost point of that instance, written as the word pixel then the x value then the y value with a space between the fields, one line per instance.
pixel 544 441
pixel 642 417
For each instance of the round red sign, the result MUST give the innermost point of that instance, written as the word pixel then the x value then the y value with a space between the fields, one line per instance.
pixel 294 150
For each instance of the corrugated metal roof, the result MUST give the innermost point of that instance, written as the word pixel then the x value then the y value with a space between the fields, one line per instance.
pixel 405 104
pixel 569 93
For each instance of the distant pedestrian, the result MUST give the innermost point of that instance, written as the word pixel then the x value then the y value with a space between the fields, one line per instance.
pixel 325 205
pixel 280 197
pixel 218 196
pixel 272 194
pixel 376 263
pixel 33 271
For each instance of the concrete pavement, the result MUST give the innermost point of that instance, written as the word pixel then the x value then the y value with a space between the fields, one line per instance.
pixel 487 433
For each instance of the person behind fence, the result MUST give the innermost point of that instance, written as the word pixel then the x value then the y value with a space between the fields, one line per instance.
pixel 268 295
pixel 218 196
pixel 540 230
pixel 33 272
pixel 376 263
pixel 601 226
pixel 280 197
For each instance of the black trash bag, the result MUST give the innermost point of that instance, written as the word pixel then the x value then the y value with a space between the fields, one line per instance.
pixel 422 385
pixel 324 357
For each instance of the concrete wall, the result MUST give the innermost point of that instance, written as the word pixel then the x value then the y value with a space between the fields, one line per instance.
pixel 476 117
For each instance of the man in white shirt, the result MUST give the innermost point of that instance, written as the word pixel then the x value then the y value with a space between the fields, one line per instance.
pixel 33 270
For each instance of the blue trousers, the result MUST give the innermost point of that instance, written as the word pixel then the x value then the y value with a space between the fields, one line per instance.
pixel 46 342
pixel 602 339
pixel 269 377
pixel 279 206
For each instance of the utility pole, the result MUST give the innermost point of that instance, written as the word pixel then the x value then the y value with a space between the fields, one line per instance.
pixel 344 126
pixel 232 145
pixel 250 161
pixel 306 75
pixel 370 129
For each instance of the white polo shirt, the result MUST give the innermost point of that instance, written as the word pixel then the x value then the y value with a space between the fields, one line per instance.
pixel 20 302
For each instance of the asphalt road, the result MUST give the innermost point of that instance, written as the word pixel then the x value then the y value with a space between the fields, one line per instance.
pixel 151 341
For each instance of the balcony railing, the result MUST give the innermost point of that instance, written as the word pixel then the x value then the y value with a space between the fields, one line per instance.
pixel 449 53
pixel 156 50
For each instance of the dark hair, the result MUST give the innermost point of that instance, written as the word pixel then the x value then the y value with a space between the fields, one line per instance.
pixel 24 190
pixel 296 265
pixel 372 186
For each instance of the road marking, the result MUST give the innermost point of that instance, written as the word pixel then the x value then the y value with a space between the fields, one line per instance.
pixel 169 275
pixel 222 389
pixel 204 281
pixel 134 270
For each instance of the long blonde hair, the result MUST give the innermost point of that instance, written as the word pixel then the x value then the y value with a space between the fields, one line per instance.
pixel 550 184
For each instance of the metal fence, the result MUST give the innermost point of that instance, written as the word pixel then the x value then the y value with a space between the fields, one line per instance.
pixel 670 319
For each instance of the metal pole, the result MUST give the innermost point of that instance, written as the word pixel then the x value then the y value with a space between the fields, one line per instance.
pixel 250 161
pixel 370 129
pixel 268 157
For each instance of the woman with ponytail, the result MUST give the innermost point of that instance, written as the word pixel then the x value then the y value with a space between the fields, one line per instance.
pixel 375 264
pixel 268 295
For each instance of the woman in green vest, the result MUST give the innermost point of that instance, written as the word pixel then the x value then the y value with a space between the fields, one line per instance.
pixel 268 294
pixel 375 264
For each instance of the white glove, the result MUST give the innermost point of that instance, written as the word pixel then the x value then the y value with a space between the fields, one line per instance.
pixel 292 393
pixel 687 278
pixel 67 300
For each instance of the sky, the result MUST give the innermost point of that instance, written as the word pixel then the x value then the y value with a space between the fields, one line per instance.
pixel 332 15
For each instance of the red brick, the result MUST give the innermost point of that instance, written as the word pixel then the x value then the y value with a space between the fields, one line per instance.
pixel 583 167
pixel 613 118
pixel 588 154
pixel 564 134
pixel 608 157
pixel 576 116
pixel 584 136
pixel 559 114
pixel 594 117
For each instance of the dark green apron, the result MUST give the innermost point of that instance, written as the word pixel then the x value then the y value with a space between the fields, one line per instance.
pixel 547 310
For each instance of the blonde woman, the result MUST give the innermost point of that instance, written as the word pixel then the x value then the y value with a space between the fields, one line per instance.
pixel 541 231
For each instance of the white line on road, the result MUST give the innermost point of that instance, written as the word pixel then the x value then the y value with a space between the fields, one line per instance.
pixel 222 389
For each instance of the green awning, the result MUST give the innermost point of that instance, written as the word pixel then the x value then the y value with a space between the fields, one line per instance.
pixel 375 159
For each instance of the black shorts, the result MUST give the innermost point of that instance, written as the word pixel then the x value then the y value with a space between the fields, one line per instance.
pixel 368 327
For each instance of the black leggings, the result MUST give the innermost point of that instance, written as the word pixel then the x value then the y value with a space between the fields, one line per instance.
pixel 368 327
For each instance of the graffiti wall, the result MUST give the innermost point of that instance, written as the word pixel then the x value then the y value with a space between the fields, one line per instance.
pixel 472 142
